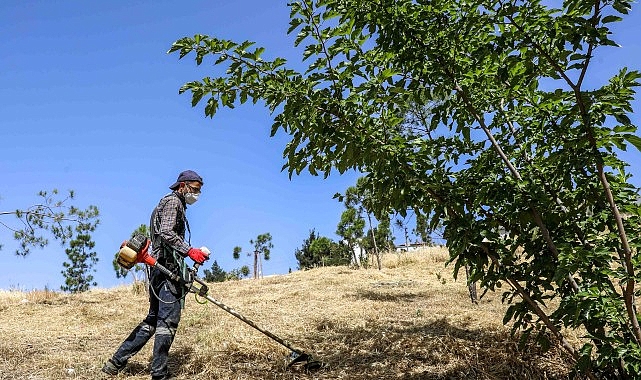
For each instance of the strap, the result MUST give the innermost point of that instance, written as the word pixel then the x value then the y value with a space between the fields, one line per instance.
pixel 188 230
pixel 159 208
pixel 184 275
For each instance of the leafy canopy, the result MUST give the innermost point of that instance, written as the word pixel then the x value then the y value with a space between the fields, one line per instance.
pixel 477 115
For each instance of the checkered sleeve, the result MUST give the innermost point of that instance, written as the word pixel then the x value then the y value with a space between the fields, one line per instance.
pixel 169 219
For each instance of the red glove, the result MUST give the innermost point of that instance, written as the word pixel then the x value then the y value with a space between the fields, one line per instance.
pixel 197 255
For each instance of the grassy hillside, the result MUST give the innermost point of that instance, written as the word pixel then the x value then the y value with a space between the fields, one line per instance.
pixel 409 321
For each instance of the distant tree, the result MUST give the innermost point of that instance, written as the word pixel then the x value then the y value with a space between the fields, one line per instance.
pixel 423 230
pixel 215 274
pixel 53 216
pixel 360 198
pixel 238 273
pixel 383 235
pixel 304 255
pixel 262 249
pixel 350 228
pixel 237 251
pixel 137 270
pixel 319 251
pixel 80 254
pixel 218 274
pixel 331 253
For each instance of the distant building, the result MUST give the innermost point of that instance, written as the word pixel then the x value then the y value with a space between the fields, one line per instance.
pixel 410 247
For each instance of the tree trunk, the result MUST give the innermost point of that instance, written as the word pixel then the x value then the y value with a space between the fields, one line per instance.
pixel 355 258
pixel 471 286
pixel 376 252
pixel 407 240
pixel 255 265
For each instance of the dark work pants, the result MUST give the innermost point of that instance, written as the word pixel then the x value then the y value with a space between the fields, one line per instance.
pixel 162 319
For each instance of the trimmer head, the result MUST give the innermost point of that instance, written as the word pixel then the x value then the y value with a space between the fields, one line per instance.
pixel 298 356
pixel 306 361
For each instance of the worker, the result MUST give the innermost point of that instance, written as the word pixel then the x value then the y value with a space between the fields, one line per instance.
pixel 167 227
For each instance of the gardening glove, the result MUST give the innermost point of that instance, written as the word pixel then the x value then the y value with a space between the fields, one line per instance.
pixel 199 255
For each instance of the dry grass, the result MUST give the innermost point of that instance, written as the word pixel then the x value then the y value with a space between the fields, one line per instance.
pixel 409 321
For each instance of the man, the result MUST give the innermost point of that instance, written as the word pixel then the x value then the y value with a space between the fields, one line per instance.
pixel 167 226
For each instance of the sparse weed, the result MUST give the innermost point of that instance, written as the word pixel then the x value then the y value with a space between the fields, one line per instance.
pixel 42 296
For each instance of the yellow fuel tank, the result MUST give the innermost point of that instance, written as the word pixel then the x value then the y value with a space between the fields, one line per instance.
pixel 127 257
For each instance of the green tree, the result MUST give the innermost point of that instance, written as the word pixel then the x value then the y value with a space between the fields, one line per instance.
pixel 360 198
pixel 318 251
pixel 330 253
pixel 321 248
pixel 339 254
pixel 422 229
pixel 237 252
pixel 238 273
pixel 517 157
pixel 215 273
pixel 80 254
pixel 138 269
pixel 262 249
pixel 51 216
pixel 383 235
pixel 218 274
pixel 304 255
pixel 350 228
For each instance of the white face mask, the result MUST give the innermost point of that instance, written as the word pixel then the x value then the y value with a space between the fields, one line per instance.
pixel 191 198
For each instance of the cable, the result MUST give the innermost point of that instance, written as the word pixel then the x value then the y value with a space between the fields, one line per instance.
pixel 196 297
pixel 153 291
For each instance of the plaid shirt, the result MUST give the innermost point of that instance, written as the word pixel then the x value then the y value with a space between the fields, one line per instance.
pixel 168 224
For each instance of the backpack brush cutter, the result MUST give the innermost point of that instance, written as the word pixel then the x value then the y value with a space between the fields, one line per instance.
pixel 135 251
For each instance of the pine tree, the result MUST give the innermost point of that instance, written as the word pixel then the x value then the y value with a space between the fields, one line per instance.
pixel 80 254
pixel 52 216
pixel 216 274
pixel 304 255
pixel 262 248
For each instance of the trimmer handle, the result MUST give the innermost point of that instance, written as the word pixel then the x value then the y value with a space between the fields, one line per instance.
pixel 196 264
pixel 167 272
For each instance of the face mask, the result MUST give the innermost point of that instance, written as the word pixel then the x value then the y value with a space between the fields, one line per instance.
pixel 191 198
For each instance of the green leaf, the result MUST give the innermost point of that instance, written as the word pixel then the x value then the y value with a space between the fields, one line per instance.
pixel 611 18
pixel 634 140
pixel 625 128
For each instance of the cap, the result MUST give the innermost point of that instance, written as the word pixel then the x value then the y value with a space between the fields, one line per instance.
pixel 186 176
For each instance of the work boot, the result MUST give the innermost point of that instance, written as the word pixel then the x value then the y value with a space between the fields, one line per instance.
pixel 110 368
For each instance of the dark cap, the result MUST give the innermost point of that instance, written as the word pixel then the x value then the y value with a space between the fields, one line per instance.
pixel 186 176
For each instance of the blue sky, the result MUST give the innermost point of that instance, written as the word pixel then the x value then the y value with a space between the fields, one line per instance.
pixel 89 101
